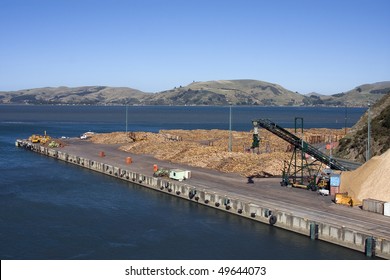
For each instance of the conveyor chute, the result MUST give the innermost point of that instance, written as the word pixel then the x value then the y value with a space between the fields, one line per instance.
pixel 298 143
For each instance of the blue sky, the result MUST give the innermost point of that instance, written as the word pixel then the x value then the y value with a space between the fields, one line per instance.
pixel 323 46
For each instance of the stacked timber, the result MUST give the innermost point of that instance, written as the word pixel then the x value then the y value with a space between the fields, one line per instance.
pixel 209 148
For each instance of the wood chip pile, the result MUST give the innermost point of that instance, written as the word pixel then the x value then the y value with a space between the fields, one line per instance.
pixel 209 148
pixel 371 180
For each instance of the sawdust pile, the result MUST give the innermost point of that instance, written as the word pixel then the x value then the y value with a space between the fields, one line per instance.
pixel 371 180
pixel 209 148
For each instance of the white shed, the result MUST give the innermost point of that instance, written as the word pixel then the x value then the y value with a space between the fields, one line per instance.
pixel 179 174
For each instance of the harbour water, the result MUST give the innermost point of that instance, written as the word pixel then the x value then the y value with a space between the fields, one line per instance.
pixel 53 210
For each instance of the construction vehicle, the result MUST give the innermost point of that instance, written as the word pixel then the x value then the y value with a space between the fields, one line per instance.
pixel 323 182
pixel 45 138
pixel 53 144
pixel 318 183
pixel 161 172
pixel 39 138
pixel 343 198
pixel 34 138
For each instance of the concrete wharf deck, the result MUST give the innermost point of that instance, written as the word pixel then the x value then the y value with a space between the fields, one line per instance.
pixel 264 200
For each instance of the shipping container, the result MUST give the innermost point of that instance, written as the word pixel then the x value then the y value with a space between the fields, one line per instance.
pixel 373 205
pixel 335 180
pixel 386 209
pixel 334 190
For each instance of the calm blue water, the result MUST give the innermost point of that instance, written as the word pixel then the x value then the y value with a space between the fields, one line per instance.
pixel 53 210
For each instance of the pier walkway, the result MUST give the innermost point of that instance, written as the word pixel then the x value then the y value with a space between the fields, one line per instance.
pixel 263 200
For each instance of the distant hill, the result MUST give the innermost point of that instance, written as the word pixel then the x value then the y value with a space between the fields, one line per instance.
pixel 354 145
pixel 225 92
pixel 222 92
pixel 360 96
pixel 88 95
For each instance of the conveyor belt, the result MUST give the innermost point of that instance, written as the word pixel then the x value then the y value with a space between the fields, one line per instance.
pixel 299 143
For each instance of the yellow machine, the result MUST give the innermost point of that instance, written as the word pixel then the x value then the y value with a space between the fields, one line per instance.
pixel 343 198
pixel 39 138
pixel 34 138
pixel 295 185
pixel 322 183
pixel 45 138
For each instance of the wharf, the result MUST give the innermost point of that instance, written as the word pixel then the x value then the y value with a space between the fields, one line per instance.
pixel 263 200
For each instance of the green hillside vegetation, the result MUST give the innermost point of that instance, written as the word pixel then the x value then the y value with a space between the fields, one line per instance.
pixel 354 145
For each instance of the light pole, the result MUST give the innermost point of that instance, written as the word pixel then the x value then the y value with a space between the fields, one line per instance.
pixel 345 120
pixel 230 128
pixel 126 118
pixel 368 134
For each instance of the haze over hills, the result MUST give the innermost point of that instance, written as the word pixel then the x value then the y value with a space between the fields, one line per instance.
pixel 221 92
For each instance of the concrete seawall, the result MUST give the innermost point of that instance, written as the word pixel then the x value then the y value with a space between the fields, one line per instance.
pixel 363 241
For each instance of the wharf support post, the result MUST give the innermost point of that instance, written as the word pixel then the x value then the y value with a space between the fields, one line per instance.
pixel 370 245
pixel 313 231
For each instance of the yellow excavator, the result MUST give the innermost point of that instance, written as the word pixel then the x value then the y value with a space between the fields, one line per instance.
pixel 39 138
pixel 34 138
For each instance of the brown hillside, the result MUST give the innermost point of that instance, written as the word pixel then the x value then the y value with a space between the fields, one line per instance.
pixel 354 145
